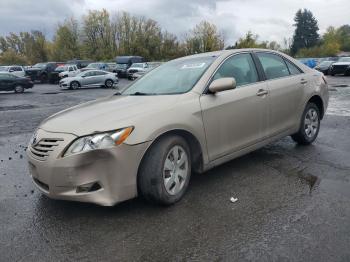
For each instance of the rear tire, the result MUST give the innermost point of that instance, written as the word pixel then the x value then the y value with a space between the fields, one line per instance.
pixel 19 89
pixel 164 175
pixel 309 126
pixel 74 85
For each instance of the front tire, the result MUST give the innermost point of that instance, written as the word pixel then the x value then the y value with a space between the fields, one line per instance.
pixel 19 89
pixel 109 83
pixel 74 85
pixel 165 171
pixel 310 125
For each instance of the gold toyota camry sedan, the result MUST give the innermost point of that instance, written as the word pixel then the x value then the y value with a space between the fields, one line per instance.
pixel 188 115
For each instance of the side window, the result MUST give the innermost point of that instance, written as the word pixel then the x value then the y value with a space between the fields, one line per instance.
pixel 89 73
pixel 292 68
pixel 273 65
pixel 241 67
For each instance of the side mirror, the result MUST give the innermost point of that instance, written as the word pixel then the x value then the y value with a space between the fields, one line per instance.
pixel 222 84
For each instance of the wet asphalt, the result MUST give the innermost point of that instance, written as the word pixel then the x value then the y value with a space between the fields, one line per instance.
pixel 293 201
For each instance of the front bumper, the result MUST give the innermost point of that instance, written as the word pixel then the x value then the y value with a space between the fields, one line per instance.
pixel 114 170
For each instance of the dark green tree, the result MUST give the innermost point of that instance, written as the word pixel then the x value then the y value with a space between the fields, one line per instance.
pixel 306 31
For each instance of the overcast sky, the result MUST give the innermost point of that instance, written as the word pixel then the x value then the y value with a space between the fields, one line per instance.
pixel 270 19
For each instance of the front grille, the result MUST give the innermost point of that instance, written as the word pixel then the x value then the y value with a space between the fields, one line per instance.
pixel 340 67
pixel 44 147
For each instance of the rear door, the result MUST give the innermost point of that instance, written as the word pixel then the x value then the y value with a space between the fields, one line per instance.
pixel 237 118
pixel 3 83
pixel 7 81
pixel 285 83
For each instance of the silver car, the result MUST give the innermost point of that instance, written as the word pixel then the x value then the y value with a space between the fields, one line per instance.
pixel 189 114
pixel 90 78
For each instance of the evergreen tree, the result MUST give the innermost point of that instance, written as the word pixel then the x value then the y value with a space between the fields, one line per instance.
pixel 306 31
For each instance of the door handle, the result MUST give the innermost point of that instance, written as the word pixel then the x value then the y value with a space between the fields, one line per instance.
pixel 262 92
pixel 303 81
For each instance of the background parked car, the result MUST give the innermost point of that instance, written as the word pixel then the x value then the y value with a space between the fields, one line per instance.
pixel 63 71
pixel 90 78
pixel 80 63
pixel 94 66
pixel 10 82
pixel 68 71
pixel 13 69
pixel 342 67
pixel 42 71
pixel 112 67
pixel 330 58
pixel 151 66
pixel 324 67
pixel 124 62
pixel 136 67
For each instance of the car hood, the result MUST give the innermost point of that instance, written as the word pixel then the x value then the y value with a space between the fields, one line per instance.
pixel 108 113
pixel 341 63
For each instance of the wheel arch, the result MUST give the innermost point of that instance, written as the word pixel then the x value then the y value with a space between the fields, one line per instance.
pixel 317 100
pixel 196 150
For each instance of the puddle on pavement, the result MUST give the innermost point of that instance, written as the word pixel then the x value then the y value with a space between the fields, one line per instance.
pixel 312 180
pixel 19 107
pixel 51 93
pixel 339 101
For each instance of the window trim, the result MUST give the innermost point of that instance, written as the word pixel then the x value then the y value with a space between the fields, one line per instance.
pixel 260 77
pixel 255 54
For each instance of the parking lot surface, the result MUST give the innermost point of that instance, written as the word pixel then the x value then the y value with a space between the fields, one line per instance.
pixel 293 201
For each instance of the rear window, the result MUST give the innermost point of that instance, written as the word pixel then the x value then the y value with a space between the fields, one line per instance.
pixel 273 65
pixel 293 69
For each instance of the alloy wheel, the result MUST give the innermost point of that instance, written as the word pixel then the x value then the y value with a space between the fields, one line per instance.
pixel 311 123
pixel 175 170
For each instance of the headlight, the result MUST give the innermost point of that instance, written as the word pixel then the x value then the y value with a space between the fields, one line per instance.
pixel 98 141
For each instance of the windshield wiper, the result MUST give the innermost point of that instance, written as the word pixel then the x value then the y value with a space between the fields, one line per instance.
pixel 142 94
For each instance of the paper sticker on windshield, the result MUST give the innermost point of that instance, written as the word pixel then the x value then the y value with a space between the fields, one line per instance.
pixel 193 66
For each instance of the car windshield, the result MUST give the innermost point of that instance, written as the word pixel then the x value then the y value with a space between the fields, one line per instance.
pixel 61 68
pixel 122 66
pixel 40 65
pixel 344 59
pixel 3 68
pixel 93 65
pixel 137 65
pixel 326 63
pixel 175 77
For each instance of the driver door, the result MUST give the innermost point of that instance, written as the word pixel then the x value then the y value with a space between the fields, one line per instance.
pixel 237 118
pixel 89 78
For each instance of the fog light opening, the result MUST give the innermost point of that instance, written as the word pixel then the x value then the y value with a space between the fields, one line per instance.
pixel 88 188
